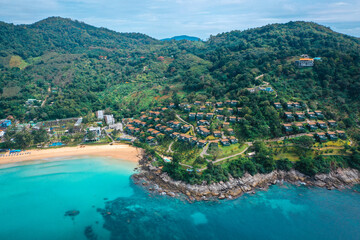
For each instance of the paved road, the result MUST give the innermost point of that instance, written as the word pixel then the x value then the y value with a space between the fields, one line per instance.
pixel 237 154
pixel 282 138
pixel 169 149
pixel 182 120
pixel 104 129
pixel 203 152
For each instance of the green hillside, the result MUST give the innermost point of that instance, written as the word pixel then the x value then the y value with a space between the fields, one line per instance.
pixel 79 68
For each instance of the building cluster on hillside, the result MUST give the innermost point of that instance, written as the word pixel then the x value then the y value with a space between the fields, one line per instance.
pixel 4 124
pixel 152 123
pixel 306 61
pixel 299 121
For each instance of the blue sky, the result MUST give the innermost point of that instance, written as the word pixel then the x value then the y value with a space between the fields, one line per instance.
pixel 201 18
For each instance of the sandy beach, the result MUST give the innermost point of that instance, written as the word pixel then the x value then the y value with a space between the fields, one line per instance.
pixel 119 151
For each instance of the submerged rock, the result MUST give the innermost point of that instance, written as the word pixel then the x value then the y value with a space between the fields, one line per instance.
pixel 89 233
pixel 72 213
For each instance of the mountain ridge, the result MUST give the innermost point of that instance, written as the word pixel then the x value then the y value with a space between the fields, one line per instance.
pixel 182 37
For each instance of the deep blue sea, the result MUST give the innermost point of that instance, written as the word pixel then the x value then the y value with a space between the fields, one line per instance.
pixel 35 196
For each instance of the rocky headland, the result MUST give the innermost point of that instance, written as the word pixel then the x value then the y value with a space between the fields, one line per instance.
pixel 159 182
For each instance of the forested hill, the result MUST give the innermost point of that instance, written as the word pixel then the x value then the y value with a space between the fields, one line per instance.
pixel 79 68
pixel 63 35
pixel 237 57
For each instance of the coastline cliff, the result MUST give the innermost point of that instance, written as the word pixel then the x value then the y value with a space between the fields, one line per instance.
pixel 154 180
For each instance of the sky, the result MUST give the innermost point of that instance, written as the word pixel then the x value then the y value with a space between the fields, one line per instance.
pixel 200 18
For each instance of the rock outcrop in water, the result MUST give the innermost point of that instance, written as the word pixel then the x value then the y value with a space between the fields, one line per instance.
pixel 72 213
pixel 154 180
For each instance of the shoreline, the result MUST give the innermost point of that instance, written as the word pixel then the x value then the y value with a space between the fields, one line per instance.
pixel 157 182
pixel 117 151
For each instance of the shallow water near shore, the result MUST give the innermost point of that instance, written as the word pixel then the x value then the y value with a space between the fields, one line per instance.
pixel 35 196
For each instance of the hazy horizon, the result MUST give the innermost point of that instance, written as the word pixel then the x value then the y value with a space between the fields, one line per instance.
pixel 200 18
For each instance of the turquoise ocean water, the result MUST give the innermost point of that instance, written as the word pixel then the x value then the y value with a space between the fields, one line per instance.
pixel 35 196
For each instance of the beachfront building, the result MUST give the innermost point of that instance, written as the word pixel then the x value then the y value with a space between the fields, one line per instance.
pixel 100 114
pixel 109 119
pixel 150 140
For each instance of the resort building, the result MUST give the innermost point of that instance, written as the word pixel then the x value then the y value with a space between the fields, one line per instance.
pixel 225 142
pixel 311 115
pixel 305 62
pixel 332 123
pixel 192 116
pixel 300 127
pixel 321 137
pixel 289 116
pixel 332 136
pixel 234 103
pixel 322 125
pixel 300 116
pixel 217 134
pixel 341 134
pixel 185 128
pixel 220 117
pixel 232 119
pixel 312 126
pixel 277 105
pixel 288 128
pixel 203 123
pixel 233 140
pixel 100 114
pixel 109 119
pixel 209 116
pixel 201 143
pixel 200 116
pixel 319 115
